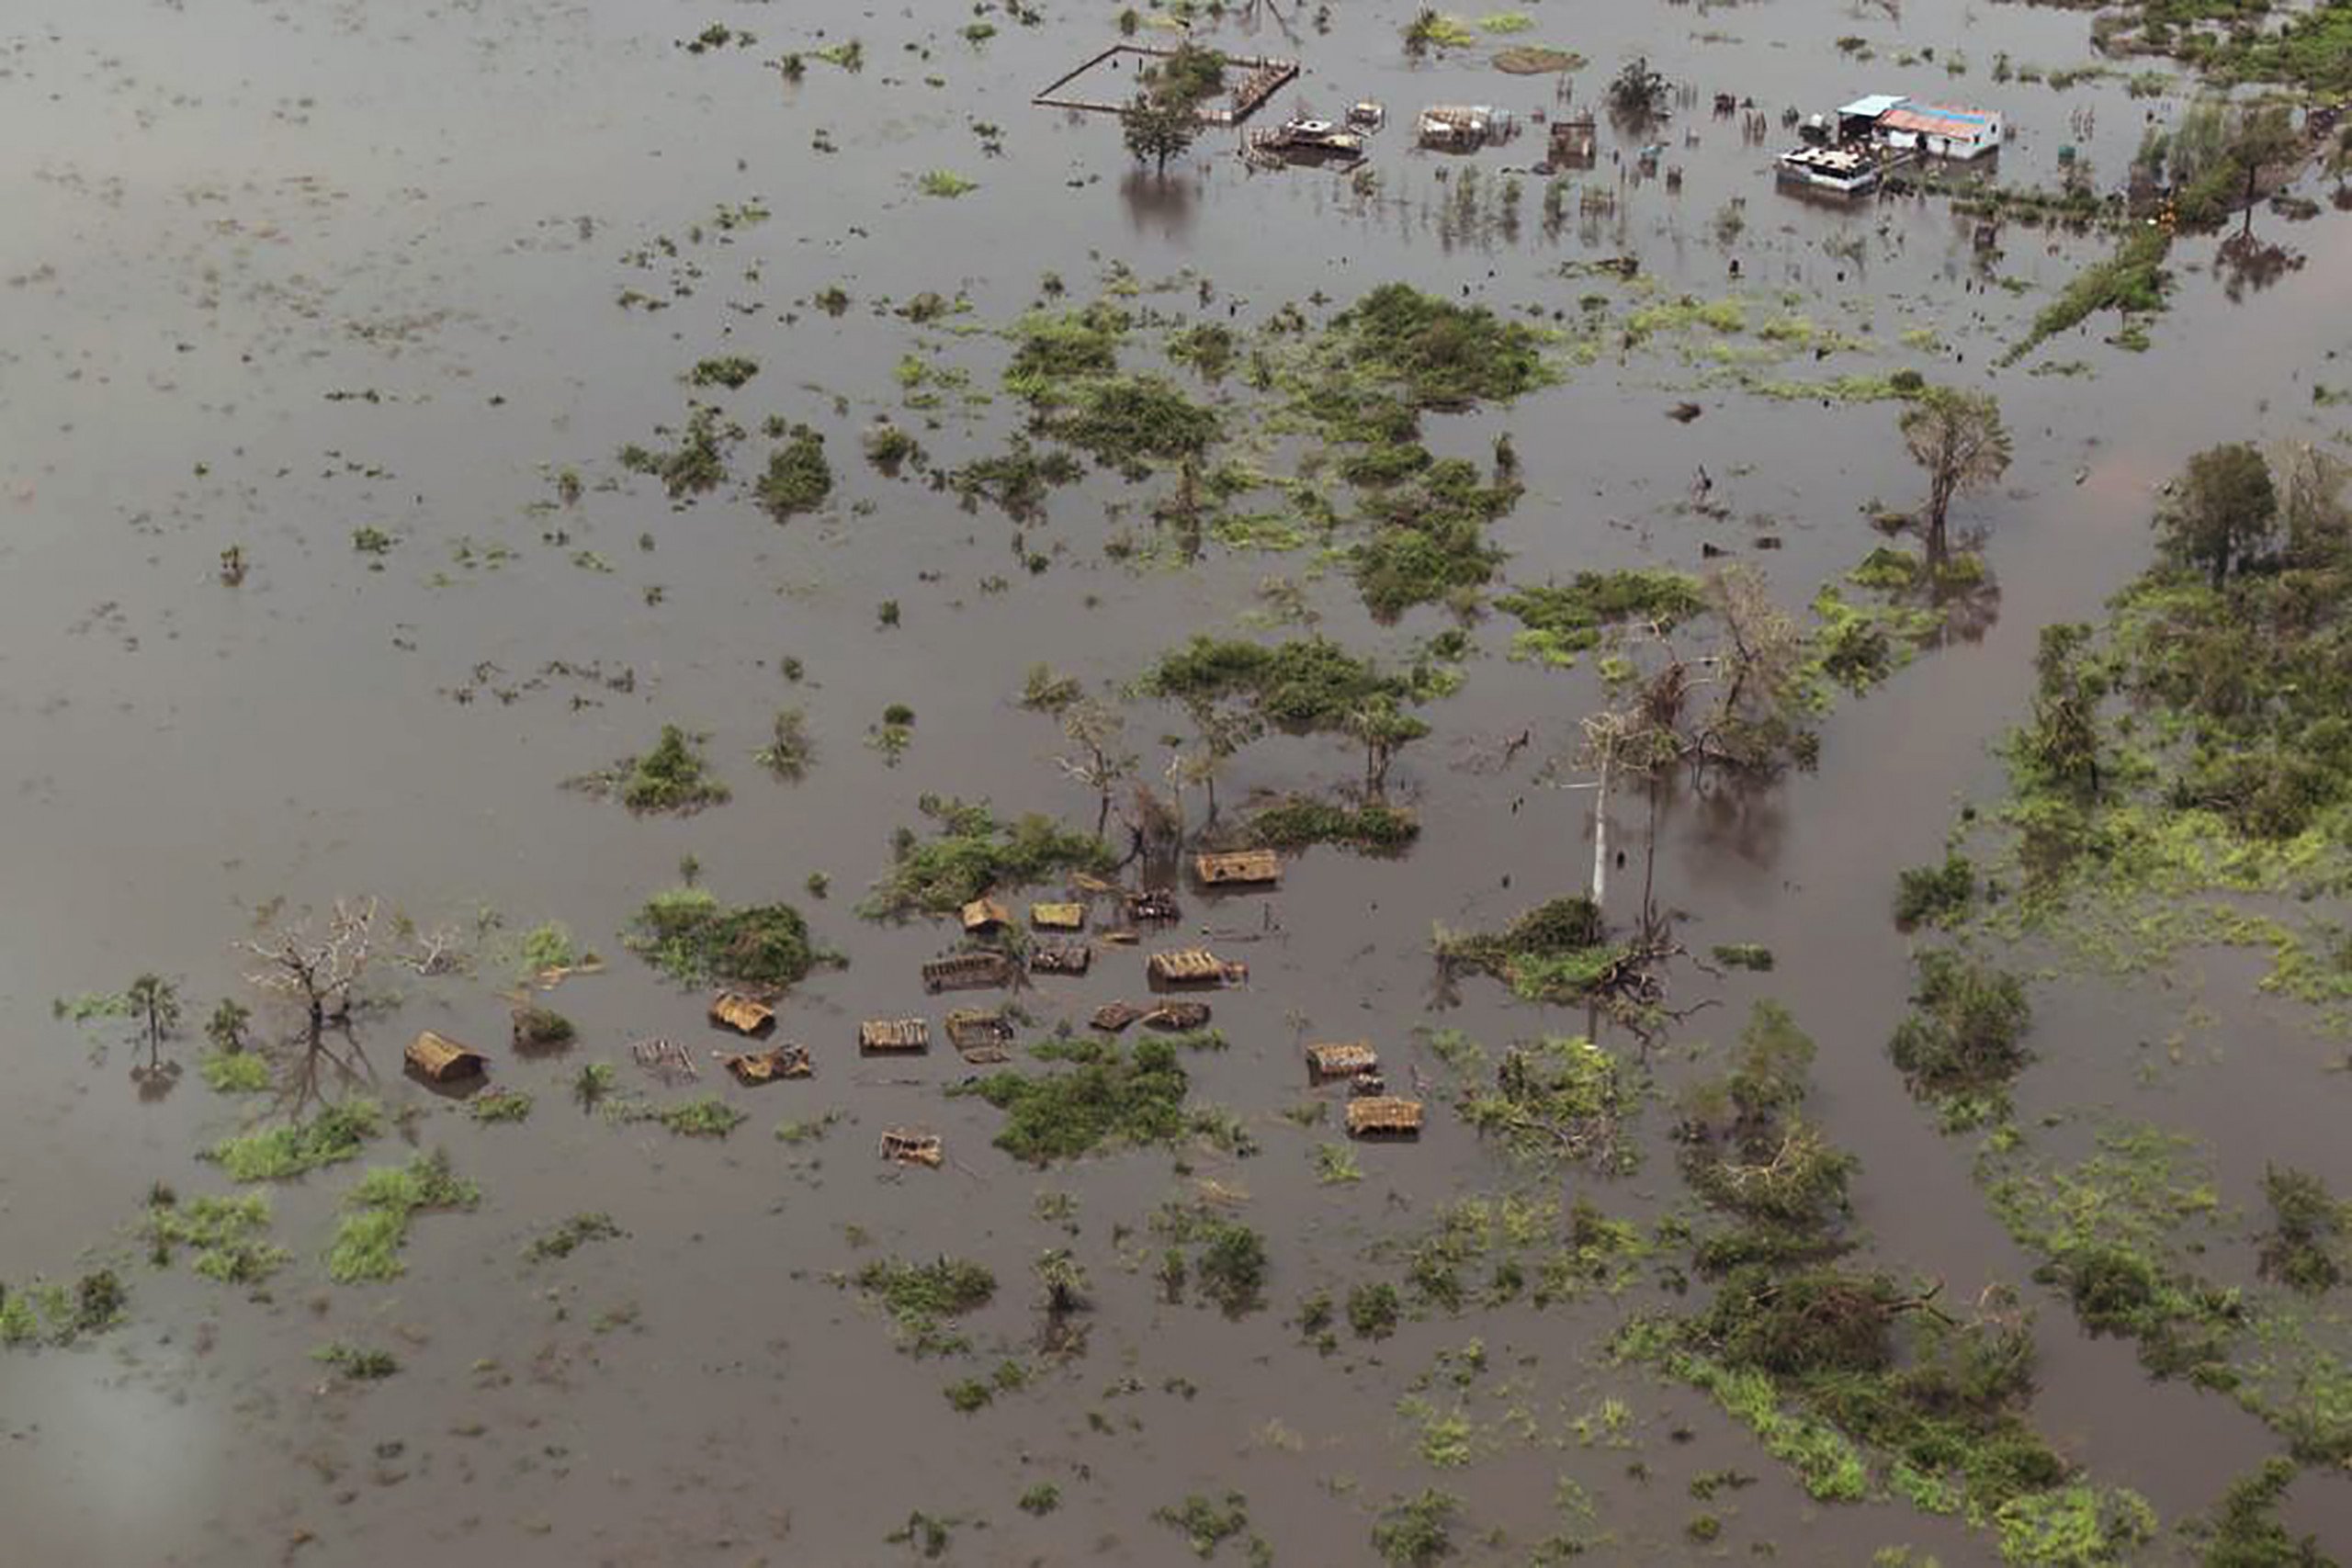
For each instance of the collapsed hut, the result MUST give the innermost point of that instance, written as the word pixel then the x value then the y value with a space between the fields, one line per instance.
pixel 753 1069
pixel 1113 1017
pixel 980 1035
pixel 967 971
pixel 1238 868
pixel 1176 1017
pixel 744 1015
pixel 1060 958
pixel 894 1035
pixel 1329 1062
pixel 1153 903
pixel 986 915
pixel 1193 966
pixel 1384 1116
pixel 906 1145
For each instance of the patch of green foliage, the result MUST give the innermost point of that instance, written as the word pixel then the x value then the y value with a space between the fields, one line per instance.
pixel 1745 955
pixel 360 1366
pixel 2302 1249
pixel 1566 619
pixel 1429 541
pixel 1055 350
pixel 974 853
pixel 1746 1149
pixel 798 478
pixel 1556 951
pixel 1300 820
pixel 945 183
pixel 499 1107
pixel 91 1005
pixel 918 1296
pixel 1207 1523
pixel 1442 355
pixel 2074 1526
pixel 1414 1532
pixel 2244 1531
pixel 697 464
pixel 537 1028
pixel 1188 77
pixel 1039 1500
pixel 1232 1266
pixel 1122 420
pixel 369 1238
pixel 1935 895
pixel 674 777
pixel 1106 1096
pixel 225 1232
pixel 1373 1309
pixel 568 1237
pixel 1964 1039
pixel 274 1153
pixel 1556 1098
pixel 689 936
pixel 706 1116
pixel 1304 685
pixel 729 371
pixel 2133 280
pixel 1018 479
pixel 234 1072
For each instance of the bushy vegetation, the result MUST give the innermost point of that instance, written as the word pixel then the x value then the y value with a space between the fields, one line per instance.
pixel 1935 895
pixel 974 853
pixel 568 1237
pixel 2244 1531
pixel 1555 1098
pixel 1964 1040
pixel 2133 281
pixel 698 463
pixel 335 1133
pixel 227 1234
pixel 1564 619
pixel 921 1296
pixel 730 370
pixel 1428 540
pixel 1122 420
pixel 1557 951
pixel 369 1238
pixel 1442 355
pixel 798 478
pixel 1300 821
pixel 688 935
pixel 674 777
pixel 1104 1095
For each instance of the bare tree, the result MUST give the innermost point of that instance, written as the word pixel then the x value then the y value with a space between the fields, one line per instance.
pixel 314 966
pixel 1094 730
pixel 1959 438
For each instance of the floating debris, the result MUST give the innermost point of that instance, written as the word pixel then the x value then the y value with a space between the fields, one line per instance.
pixel 1153 903
pixel 980 1036
pixel 443 1060
pixel 986 915
pixel 1057 916
pixel 967 971
pixel 744 1015
pixel 665 1059
pixel 1176 1017
pixel 905 1146
pixel 1195 967
pixel 756 1068
pixel 894 1034
pixel 1241 867
pixel 1384 1116
pixel 1060 958
pixel 1114 1017
pixel 1341 1060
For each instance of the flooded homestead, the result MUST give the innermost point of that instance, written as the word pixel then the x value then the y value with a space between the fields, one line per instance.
pixel 1610 736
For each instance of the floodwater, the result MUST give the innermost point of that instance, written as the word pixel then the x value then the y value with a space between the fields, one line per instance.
pixel 276 273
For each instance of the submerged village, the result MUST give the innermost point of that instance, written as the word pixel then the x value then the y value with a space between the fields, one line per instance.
pixel 1237 781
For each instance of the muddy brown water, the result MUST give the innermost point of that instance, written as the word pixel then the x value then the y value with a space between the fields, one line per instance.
pixel 224 218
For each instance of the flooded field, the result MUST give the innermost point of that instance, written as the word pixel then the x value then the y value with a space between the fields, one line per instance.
pixel 517 518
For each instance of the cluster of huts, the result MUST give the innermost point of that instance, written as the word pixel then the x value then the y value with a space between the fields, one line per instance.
pixel 1053 944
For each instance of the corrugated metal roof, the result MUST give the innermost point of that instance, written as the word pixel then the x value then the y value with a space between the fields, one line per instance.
pixel 1936 120
pixel 1872 107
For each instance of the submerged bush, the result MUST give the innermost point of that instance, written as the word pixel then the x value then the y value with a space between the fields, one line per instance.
pixel 797 479
pixel 274 1153
pixel 973 853
pixel 689 936
pixel 1106 1096
pixel 1966 1028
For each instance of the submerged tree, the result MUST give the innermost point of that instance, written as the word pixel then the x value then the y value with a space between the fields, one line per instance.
pixel 1157 131
pixel 1959 438
pixel 1637 93
pixel 2221 513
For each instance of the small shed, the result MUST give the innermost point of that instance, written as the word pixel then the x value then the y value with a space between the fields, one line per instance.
pixel 979 1034
pixel 753 1069
pixel 1384 1116
pixel 1238 868
pixel 1057 916
pixel 905 1146
pixel 1060 958
pixel 744 1015
pixel 1341 1060
pixel 443 1060
pixel 894 1034
pixel 1114 1017
pixel 1177 1016
pixel 986 915
pixel 1193 966
pixel 967 971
